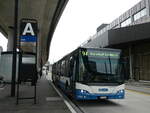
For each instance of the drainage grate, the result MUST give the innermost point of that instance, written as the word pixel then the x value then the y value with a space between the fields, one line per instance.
pixel 53 99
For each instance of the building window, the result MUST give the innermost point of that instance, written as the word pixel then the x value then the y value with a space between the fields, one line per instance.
pixel 139 14
pixel 126 22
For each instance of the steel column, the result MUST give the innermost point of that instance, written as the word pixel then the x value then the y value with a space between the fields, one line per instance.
pixel 13 81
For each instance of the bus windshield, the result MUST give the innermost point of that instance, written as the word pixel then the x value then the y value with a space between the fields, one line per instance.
pixel 100 66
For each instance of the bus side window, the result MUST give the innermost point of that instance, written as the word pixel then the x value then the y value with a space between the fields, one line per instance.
pixel 63 68
pixel 71 64
pixel 67 68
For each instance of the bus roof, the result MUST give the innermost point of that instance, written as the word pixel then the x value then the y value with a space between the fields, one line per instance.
pixel 79 48
pixel 105 49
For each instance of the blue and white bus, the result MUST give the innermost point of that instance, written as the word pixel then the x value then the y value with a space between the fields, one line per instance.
pixel 91 73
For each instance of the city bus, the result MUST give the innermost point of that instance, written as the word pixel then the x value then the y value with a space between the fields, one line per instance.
pixel 91 73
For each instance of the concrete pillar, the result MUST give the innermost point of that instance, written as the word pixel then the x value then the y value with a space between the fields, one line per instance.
pixel 148 7
pixel 10 40
pixel 130 62
pixel 1 50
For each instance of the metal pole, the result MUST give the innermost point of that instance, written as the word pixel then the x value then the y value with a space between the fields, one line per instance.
pixel 13 81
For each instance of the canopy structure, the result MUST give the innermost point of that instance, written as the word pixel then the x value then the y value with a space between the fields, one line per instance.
pixel 46 12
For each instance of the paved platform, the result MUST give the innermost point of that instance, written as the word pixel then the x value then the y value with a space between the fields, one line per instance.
pixel 48 101
pixel 143 87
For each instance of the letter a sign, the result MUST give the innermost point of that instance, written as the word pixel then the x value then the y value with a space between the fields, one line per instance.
pixel 28 30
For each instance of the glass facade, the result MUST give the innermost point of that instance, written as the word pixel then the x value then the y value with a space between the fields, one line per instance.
pixel 139 14
pixel 128 18
pixel 126 22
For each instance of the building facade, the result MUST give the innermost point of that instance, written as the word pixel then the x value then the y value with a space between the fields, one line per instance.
pixel 129 32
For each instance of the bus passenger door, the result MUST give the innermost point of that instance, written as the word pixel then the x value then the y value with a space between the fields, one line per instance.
pixel 72 75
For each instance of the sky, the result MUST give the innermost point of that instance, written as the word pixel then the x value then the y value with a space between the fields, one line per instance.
pixel 79 21
pixel 3 42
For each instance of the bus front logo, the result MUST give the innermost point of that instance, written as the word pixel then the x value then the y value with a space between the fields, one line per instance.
pixel 103 89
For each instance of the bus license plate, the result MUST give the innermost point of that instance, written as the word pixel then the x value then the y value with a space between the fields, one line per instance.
pixel 103 97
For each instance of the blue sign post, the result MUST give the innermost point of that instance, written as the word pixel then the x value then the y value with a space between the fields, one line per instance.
pixel 27 44
pixel 28 30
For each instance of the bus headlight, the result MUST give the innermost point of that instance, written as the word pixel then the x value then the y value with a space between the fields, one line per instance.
pixel 84 91
pixel 121 91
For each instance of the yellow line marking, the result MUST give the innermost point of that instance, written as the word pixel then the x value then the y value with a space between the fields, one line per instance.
pixel 147 88
pixel 138 92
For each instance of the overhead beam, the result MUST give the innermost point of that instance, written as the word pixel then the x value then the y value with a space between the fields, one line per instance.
pixel 58 12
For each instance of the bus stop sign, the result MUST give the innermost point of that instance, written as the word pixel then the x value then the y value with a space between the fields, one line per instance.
pixel 28 30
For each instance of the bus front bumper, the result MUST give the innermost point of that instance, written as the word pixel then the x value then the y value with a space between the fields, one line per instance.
pixel 85 95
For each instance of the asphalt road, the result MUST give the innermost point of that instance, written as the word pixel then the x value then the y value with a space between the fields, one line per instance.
pixel 135 102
